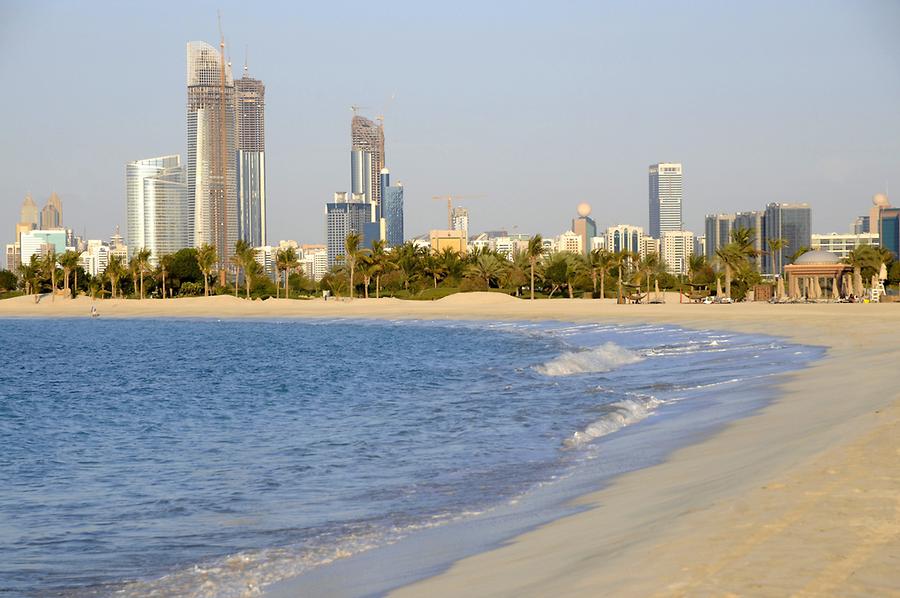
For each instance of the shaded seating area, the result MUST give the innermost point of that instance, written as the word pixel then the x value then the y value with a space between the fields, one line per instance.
pixel 818 276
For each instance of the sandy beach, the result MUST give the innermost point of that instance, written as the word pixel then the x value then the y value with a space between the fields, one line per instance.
pixel 802 498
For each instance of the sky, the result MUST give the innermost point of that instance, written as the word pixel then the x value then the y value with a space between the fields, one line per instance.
pixel 532 106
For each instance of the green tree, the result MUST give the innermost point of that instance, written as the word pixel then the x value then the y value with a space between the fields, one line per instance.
pixel 8 280
pixel 245 259
pixel 534 251
pixel 142 263
pixel 163 269
pixel 775 248
pixel 286 260
pixel 50 269
pixel 381 263
pixel 207 256
pixel 433 266
pixel 69 262
pixel 31 276
pixel 733 260
pixel 487 268
pixel 115 270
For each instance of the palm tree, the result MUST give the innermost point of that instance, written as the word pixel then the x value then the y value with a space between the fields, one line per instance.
pixel 621 262
pixel 142 261
pixel 31 276
pixel 381 263
pixel 534 251
pixel 245 259
pixel 352 255
pixel 486 267
pixel 69 262
pixel 286 260
pixel 433 266
pixel 406 259
pixel 366 268
pixel 115 269
pixel 48 265
pixel 648 266
pixel 696 264
pixel 733 260
pixel 163 269
pixel 866 261
pixel 775 247
pixel 556 270
pixel 207 256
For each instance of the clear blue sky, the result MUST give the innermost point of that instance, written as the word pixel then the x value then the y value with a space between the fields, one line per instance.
pixel 535 106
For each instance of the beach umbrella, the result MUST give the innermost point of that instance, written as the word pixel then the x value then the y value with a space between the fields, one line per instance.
pixel 718 287
pixel 656 290
pixel 882 273
pixel 817 288
pixel 779 289
pixel 835 290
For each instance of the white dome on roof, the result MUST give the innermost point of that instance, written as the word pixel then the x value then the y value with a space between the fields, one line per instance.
pixel 818 257
pixel 881 200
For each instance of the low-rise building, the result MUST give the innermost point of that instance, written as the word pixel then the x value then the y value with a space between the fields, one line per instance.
pixel 841 244
pixel 314 260
pixel 569 241
pixel 677 248
pixel 454 240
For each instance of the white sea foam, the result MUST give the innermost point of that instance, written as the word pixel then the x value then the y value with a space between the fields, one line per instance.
pixel 621 413
pixel 600 359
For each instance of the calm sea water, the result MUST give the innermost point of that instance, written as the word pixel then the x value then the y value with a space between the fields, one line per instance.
pixel 207 457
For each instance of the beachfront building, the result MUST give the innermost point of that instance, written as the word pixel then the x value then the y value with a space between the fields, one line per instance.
pixel 677 248
pixel 455 240
pixel 818 275
pixel 665 198
pixel 793 224
pixel 624 237
pixel 158 211
pixel 841 244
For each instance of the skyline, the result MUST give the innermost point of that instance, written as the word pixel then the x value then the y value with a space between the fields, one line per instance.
pixel 471 133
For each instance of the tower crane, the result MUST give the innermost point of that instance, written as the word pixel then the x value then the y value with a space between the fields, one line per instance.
pixel 449 199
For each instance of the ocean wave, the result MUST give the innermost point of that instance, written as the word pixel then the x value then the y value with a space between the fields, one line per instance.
pixel 604 358
pixel 618 415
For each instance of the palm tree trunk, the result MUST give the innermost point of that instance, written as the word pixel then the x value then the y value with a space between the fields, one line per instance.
pixel 205 283
pixel 352 272
pixel 247 285
pixel 594 280
pixel 235 282
pixel 287 285
pixel 277 281
pixel 728 281
pixel 603 285
pixel 75 272
pixel 532 280
pixel 142 284
pixel 378 286
pixel 164 284
pixel 366 287
pixel 53 284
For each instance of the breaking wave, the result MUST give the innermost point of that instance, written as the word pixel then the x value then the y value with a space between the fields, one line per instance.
pixel 618 415
pixel 604 358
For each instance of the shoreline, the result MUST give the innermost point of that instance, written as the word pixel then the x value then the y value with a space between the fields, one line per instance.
pixel 802 497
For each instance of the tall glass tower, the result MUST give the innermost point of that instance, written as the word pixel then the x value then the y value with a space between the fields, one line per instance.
pixel 791 223
pixel 211 172
pixel 367 137
pixel 250 96
pixel 392 212
pixel 665 198
pixel 158 209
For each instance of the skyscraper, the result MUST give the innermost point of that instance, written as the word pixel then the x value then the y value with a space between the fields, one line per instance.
pixel 51 214
pixel 665 198
pixel 791 223
pixel 250 95
pixel 29 214
pixel 211 176
pixel 158 210
pixel 756 223
pixel 367 136
pixel 585 227
pixel 718 233
pixel 392 211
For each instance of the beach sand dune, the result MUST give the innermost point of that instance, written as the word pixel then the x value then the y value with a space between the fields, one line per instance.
pixel 802 498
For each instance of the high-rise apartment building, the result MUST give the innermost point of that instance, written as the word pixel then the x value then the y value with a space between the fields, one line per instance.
pixel 342 217
pixel 793 224
pixel 584 226
pixel 40 242
pixel 211 164
pixel 392 210
pixel 158 209
pixel 250 96
pixel 51 214
pixel 718 229
pixel 665 198
pixel 676 248
pixel 368 137
pixel 459 218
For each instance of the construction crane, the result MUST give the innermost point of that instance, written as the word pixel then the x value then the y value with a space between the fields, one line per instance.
pixel 449 199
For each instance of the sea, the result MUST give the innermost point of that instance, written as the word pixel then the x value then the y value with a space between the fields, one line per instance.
pixel 205 457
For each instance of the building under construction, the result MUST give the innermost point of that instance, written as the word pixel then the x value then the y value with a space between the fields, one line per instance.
pixel 367 137
pixel 211 164
pixel 250 95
